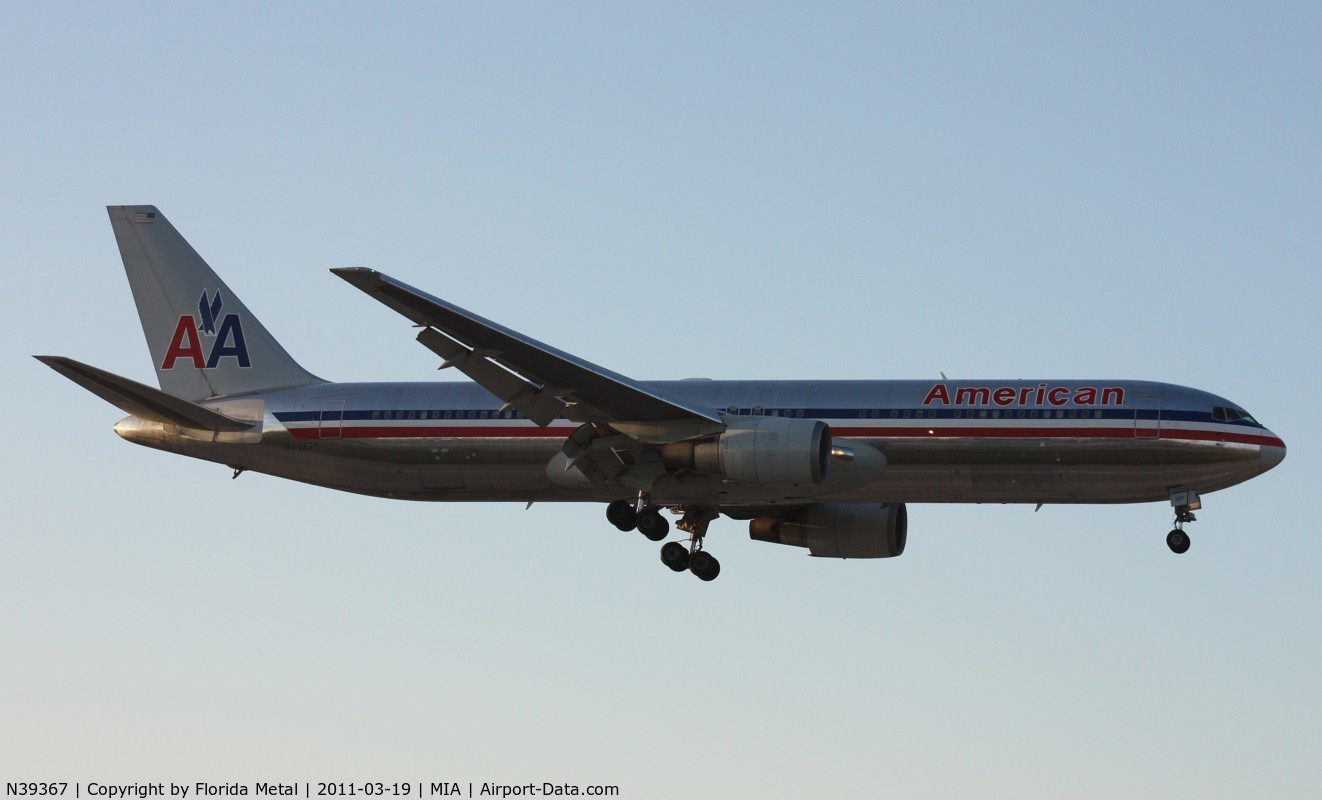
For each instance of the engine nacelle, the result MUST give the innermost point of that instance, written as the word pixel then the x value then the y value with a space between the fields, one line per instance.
pixel 764 451
pixel 839 530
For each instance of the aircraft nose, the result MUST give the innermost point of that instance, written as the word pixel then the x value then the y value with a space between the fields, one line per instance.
pixel 1271 455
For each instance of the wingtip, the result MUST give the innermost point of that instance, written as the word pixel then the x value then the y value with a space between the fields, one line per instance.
pixel 361 277
pixel 62 364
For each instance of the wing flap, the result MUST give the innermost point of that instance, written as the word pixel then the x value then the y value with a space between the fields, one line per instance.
pixel 141 400
pixel 527 398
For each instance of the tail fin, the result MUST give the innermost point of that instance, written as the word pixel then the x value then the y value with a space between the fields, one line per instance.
pixel 203 340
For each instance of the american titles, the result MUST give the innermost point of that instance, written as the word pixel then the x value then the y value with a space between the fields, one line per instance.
pixel 1041 395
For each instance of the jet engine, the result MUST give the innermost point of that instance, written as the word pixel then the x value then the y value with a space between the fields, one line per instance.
pixel 765 451
pixel 838 530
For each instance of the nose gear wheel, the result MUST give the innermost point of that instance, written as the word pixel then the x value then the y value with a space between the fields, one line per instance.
pixel 1177 540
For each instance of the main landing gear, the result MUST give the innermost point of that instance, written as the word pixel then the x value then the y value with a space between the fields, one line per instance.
pixel 680 557
pixel 692 557
pixel 646 519
pixel 1185 502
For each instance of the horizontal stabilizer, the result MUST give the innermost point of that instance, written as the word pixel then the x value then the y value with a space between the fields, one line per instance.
pixel 141 400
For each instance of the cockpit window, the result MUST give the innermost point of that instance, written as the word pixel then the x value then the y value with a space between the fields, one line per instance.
pixel 1227 414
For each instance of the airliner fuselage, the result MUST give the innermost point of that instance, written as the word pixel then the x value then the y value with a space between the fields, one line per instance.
pixel 1130 441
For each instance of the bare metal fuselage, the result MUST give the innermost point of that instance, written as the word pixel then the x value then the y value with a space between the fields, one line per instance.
pixel 939 442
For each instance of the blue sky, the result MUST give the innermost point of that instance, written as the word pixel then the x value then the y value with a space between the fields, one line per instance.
pixel 741 191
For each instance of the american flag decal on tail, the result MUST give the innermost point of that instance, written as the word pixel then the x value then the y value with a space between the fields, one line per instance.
pixel 144 217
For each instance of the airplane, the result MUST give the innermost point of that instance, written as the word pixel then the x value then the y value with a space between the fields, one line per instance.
pixel 828 466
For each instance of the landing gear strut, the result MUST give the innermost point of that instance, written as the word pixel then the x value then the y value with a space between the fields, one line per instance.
pixel 693 558
pixel 1185 502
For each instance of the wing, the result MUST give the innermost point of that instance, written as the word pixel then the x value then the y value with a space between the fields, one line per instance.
pixel 533 378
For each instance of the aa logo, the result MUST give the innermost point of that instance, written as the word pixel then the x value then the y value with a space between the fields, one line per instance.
pixel 225 335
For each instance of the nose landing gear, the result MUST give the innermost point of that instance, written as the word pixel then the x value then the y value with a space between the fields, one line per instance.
pixel 1185 502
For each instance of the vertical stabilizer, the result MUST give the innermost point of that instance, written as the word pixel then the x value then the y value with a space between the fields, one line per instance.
pixel 203 340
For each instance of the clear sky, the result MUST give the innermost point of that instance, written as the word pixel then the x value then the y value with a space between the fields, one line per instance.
pixel 752 190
